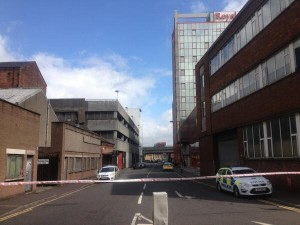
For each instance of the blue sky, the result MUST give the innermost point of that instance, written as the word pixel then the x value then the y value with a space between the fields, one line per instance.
pixel 88 49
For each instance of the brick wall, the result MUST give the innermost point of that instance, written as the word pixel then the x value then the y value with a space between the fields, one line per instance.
pixel 19 130
pixel 28 76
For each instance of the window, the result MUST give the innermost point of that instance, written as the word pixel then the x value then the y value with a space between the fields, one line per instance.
pixel 14 167
pixel 194 58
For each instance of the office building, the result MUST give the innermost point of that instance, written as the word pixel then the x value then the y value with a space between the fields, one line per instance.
pixel 108 119
pixel 193 34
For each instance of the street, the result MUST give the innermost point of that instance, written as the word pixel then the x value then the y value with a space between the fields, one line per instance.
pixel 189 202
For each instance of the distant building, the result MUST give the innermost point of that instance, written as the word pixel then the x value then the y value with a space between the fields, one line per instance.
pixel 108 119
pixel 193 34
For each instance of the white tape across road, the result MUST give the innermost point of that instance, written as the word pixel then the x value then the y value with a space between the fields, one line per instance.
pixel 144 179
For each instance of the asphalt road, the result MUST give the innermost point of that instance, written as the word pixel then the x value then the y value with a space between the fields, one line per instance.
pixel 189 203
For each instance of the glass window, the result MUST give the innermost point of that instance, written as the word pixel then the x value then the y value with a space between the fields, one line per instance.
pixel 14 167
pixel 276 138
pixel 246 85
pixel 286 137
pixel 252 81
pixel 250 142
pixel 256 136
pixel 275 8
pixel 271 70
pixel 280 67
pixel 249 34
pixel 243 37
pixel 266 14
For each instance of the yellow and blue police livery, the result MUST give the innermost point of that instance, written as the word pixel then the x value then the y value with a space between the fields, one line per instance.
pixel 244 185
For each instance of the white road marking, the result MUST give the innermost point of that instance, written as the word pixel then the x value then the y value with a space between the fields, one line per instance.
pixel 144 186
pixel 261 223
pixel 178 194
pixel 140 198
pixel 139 216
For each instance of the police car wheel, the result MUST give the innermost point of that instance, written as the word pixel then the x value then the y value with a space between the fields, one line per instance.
pixel 236 191
pixel 219 187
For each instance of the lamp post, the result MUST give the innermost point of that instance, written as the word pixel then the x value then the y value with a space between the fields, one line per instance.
pixel 117 91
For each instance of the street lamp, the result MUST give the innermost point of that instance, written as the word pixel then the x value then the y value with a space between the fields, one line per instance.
pixel 117 91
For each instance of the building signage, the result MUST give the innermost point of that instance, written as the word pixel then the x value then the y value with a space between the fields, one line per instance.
pixel 224 16
pixel 43 161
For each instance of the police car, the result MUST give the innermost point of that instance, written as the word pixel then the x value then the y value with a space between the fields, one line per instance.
pixel 244 185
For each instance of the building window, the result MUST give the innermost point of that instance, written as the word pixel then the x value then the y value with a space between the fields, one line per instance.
pixel 297 54
pixel 268 72
pixel 14 167
pixel 194 59
pixel 265 15
pixel 281 139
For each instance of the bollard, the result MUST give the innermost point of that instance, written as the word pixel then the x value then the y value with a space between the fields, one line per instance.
pixel 160 212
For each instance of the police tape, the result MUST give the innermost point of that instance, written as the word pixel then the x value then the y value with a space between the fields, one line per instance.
pixel 142 179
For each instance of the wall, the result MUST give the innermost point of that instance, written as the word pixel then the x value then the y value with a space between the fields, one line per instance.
pixel 19 130
pixel 69 141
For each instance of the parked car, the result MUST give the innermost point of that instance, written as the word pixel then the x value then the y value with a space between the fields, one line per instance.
pixel 108 173
pixel 168 166
pixel 139 165
pixel 250 185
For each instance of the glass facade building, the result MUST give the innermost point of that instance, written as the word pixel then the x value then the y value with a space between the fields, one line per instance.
pixel 193 34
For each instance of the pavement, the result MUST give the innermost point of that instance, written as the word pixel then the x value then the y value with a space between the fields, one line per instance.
pixel 48 193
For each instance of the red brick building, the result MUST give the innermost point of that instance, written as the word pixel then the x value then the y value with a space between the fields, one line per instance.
pixel 248 105
pixel 21 75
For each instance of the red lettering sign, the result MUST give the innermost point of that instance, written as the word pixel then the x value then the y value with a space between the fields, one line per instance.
pixel 221 16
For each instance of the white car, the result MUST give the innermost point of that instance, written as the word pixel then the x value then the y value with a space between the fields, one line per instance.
pixel 108 173
pixel 249 185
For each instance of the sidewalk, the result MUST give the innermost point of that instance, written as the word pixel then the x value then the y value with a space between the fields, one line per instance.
pixel 279 196
pixel 42 194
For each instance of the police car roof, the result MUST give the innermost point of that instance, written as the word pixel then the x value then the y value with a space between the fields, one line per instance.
pixel 233 168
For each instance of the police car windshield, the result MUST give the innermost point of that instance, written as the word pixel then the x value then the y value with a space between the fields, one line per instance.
pixel 246 171
pixel 107 169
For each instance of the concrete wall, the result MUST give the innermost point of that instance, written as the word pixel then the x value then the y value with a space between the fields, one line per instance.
pixel 20 133
pixel 39 104
pixel 71 142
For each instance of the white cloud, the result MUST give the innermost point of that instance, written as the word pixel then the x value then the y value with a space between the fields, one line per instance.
pixel 234 5
pixel 5 55
pixel 97 78
pixel 159 131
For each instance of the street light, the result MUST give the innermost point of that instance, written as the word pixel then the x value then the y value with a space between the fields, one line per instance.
pixel 117 91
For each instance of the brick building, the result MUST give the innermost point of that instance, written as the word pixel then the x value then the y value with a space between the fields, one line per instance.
pixel 21 75
pixel 19 138
pixel 247 93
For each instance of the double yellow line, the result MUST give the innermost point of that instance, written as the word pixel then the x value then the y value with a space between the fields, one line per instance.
pixel 43 203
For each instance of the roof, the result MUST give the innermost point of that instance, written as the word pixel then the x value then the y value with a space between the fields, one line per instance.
pixel 17 95
pixel 14 64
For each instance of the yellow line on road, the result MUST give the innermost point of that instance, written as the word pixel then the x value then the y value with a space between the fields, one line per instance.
pixel 46 202
pixel 280 206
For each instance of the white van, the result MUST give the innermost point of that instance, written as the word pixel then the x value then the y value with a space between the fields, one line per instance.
pixel 108 173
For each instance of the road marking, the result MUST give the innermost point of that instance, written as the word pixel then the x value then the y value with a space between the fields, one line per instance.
pixel 43 203
pixel 261 223
pixel 139 216
pixel 280 206
pixel 178 194
pixel 140 198
pixel 144 186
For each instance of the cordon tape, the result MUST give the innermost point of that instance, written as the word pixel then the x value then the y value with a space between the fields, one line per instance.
pixel 144 179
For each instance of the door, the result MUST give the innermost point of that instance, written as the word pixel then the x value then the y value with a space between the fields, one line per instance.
pixel 28 178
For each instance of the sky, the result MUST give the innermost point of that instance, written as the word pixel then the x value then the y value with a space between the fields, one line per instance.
pixel 89 49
